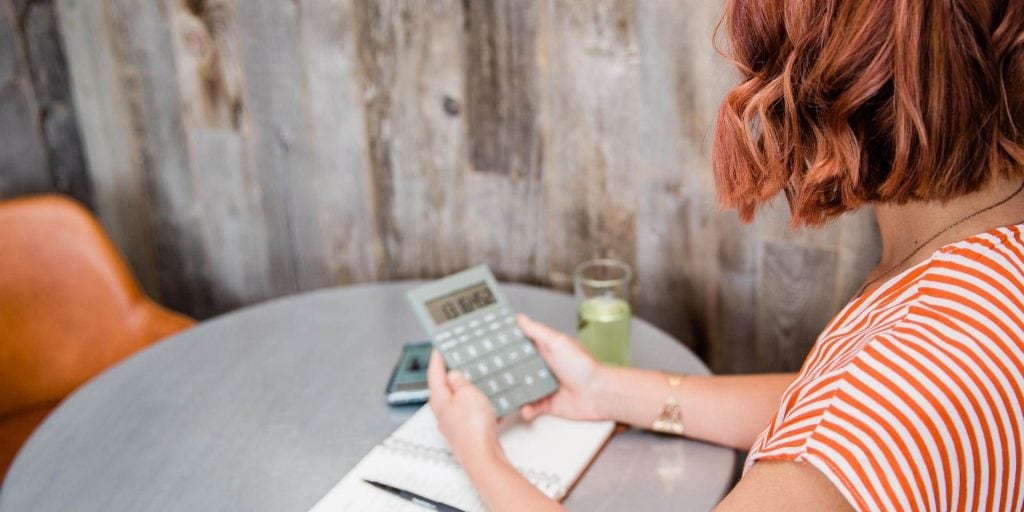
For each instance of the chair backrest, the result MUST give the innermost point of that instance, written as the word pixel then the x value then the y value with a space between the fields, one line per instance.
pixel 69 305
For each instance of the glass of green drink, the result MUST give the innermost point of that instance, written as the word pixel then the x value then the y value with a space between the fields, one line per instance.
pixel 603 314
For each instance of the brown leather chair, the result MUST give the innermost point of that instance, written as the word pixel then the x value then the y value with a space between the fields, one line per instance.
pixel 69 308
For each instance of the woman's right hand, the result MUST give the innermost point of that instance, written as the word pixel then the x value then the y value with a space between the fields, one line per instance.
pixel 576 370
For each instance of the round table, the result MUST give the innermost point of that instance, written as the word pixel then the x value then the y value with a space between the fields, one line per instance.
pixel 266 408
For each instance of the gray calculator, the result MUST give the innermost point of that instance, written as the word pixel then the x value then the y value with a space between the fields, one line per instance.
pixel 473 327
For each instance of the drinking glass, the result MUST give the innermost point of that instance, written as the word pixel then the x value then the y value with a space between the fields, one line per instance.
pixel 603 313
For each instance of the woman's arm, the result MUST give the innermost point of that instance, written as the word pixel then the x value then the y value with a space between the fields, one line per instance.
pixel 729 410
pixel 502 487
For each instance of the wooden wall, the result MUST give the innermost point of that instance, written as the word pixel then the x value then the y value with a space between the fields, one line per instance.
pixel 239 150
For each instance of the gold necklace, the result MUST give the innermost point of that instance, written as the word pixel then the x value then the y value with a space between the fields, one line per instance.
pixel 936 235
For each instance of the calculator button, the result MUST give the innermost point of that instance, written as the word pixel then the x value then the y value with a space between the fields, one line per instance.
pixel 456 356
pixel 474 324
pixel 503 338
pixel 489 318
pixel 504 311
pixel 466 373
pixel 528 380
pixel 471 350
pixel 482 367
pixel 488 344
pixel 478 333
pixel 510 320
pixel 498 362
pixel 527 349
pixel 448 344
pixel 492 385
pixel 441 336
pixel 509 379
pixel 464 338
pixel 543 373
pixel 459 330
pixel 517 396
pixel 503 403
pixel 516 333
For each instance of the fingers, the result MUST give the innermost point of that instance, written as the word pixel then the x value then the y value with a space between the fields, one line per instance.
pixel 436 380
pixel 542 335
pixel 531 411
pixel 457 381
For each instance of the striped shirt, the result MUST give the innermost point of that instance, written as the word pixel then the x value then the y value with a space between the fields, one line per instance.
pixel 911 399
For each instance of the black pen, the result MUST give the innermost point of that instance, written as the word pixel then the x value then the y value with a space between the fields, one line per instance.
pixel 415 498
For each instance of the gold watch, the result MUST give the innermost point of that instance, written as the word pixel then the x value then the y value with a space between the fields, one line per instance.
pixel 670 420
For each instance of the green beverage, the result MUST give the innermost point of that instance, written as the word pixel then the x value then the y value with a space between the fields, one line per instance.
pixel 604 329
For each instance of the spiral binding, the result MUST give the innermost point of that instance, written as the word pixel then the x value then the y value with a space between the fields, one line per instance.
pixel 543 480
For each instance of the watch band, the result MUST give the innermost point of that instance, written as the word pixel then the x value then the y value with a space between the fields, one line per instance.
pixel 670 419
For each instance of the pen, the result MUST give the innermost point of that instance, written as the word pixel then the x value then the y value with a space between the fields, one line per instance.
pixel 415 498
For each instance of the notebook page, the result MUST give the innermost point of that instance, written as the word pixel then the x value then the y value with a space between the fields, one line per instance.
pixel 445 484
pixel 550 452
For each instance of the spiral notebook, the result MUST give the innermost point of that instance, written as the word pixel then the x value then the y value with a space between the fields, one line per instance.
pixel 550 452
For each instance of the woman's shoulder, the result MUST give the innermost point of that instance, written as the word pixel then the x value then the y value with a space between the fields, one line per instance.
pixel 972 291
pixel 915 402
pixel 916 421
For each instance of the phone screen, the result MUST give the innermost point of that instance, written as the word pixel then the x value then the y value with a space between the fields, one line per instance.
pixel 408 383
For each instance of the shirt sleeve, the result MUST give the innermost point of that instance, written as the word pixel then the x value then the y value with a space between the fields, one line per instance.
pixel 920 420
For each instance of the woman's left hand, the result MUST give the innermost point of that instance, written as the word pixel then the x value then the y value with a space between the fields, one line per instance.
pixel 464 414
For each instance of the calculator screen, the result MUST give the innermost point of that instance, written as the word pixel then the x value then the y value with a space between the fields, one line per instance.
pixel 460 302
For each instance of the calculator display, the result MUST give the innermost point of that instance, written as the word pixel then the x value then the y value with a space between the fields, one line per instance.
pixel 461 302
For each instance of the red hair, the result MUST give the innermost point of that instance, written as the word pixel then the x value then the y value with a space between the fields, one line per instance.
pixel 842 103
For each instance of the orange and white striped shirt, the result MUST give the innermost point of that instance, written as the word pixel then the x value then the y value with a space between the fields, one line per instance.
pixel 911 399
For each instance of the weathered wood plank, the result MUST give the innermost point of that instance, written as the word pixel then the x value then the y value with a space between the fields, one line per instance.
pixel 794 303
pixel 411 58
pixel 234 239
pixel 279 144
pixel 734 326
pixel 23 165
pixel 590 201
pixel 859 250
pixel 677 264
pixel 350 244
pixel 65 157
pixel 105 125
pixel 145 49
pixel 233 233
pixel 503 210
pixel 501 89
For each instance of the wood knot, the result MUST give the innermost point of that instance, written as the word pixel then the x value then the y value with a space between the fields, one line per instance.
pixel 451 106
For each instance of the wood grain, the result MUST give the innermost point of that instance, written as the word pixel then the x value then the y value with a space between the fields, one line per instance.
pixel 589 205
pixel 52 87
pixel 22 149
pixel 501 86
pixel 239 150
pixel 105 123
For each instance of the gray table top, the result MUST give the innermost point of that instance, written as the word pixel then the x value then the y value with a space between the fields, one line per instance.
pixel 266 408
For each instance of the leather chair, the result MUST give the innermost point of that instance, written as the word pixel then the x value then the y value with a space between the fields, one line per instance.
pixel 69 308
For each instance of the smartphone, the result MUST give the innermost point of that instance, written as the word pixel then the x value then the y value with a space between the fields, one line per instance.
pixel 408 382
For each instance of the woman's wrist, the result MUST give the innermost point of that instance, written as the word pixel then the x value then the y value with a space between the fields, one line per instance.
pixel 487 455
pixel 607 392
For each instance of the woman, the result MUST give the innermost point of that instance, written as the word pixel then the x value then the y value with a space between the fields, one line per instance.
pixel 911 399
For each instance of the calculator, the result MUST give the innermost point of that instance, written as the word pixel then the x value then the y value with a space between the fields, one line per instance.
pixel 474 328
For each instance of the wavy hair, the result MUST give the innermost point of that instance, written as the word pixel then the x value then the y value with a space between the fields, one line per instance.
pixel 847 102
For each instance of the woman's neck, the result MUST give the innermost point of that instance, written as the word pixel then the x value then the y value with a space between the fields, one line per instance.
pixel 906 227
